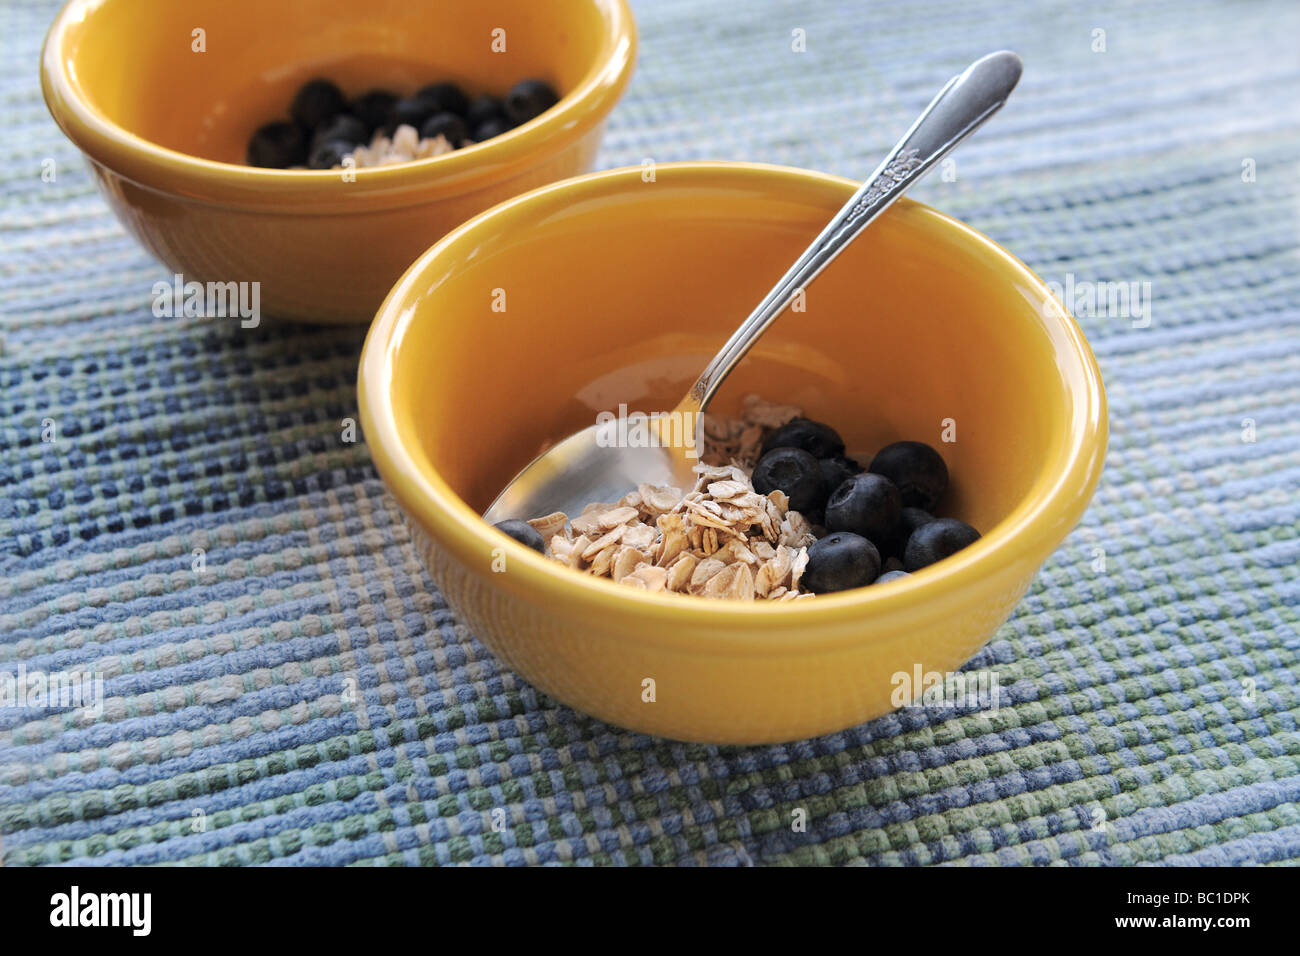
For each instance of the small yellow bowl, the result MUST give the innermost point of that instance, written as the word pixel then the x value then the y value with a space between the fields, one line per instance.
pixel 613 289
pixel 163 97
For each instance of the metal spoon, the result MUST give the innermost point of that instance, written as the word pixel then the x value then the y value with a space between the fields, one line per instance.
pixel 605 461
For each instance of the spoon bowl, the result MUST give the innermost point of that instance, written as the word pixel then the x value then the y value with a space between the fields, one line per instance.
pixel 593 465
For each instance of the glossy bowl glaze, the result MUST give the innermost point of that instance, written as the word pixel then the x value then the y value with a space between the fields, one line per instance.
pixel 165 127
pixel 618 290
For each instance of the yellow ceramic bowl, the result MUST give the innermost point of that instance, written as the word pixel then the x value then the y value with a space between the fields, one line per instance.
pixel 619 290
pixel 165 127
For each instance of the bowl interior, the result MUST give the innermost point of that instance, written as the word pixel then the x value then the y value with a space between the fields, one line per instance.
pixel 574 302
pixel 135 62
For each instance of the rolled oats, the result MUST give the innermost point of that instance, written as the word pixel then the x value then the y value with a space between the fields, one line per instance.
pixel 721 539
pixel 404 146
pixel 796 532
pixel 733 581
pixel 705 570
pixel 648 577
pixel 681 570
pixel 602 563
pixel 603 542
pixel 625 561
pixel 640 536
pixel 657 499
pixel 548 527
pixel 722 490
pixel 612 519
pixel 576 552
pixel 756 411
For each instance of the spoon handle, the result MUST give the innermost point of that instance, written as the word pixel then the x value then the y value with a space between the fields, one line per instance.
pixel 961 107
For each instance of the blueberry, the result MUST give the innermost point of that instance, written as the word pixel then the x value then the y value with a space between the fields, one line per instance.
pixel 375 108
pixel 821 441
pixel 909 519
pixel 892 576
pixel 412 111
pixel 329 154
pixel 795 472
pixel 445 124
pixel 917 469
pixel 316 102
pixel 840 561
pixel 484 108
pixel 491 128
pixel 447 96
pixel 529 98
pixel 937 540
pixel 345 127
pixel 522 532
pixel 277 146
pixel 837 469
pixel 866 504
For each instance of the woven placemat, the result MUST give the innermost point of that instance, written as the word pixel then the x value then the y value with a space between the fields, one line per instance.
pixel 1149 678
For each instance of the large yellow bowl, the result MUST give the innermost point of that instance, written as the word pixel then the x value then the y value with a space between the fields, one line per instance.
pixel 165 127
pixel 617 290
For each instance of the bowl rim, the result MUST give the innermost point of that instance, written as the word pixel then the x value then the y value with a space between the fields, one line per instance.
pixel 171 171
pixel 1035 527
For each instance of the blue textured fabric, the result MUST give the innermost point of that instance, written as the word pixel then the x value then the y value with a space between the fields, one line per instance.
pixel 1149 677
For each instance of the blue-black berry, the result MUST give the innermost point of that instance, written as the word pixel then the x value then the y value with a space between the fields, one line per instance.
pixel 935 541
pixel 412 111
pixel 316 102
pixel 840 561
pixel 277 146
pixel 445 124
pixel 837 469
pixel 522 532
pixel 329 154
pixel 529 98
pixel 447 97
pixel 344 127
pixel 917 469
pixel 909 519
pixel 866 504
pixel 820 441
pixel 490 129
pixel 892 576
pixel 482 109
pixel 375 109
pixel 795 472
